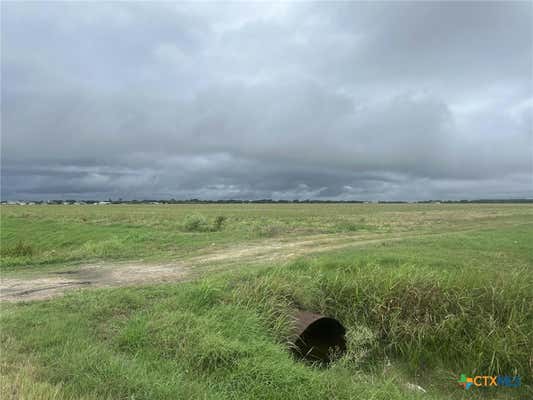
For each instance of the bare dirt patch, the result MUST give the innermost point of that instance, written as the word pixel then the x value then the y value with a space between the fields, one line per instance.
pixel 109 275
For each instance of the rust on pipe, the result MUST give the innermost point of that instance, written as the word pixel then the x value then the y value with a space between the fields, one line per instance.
pixel 317 337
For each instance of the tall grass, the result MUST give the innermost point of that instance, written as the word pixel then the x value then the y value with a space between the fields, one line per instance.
pixel 427 319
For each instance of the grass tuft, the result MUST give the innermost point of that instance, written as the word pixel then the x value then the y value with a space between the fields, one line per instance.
pixel 218 223
pixel 20 249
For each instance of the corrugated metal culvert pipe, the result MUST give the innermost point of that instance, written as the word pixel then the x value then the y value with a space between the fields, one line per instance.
pixel 317 337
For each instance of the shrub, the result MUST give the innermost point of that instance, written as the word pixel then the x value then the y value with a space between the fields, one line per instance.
pixel 195 223
pixel 218 224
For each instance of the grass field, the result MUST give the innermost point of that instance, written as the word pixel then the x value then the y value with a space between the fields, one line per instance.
pixel 41 235
pixel 426 292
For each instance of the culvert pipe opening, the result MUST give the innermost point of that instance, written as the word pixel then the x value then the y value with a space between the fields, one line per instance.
pixel 318 338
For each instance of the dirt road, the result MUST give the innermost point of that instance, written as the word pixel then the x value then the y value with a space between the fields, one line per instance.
pixel 105 274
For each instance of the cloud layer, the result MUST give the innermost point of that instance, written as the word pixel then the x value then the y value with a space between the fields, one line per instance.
pixel 272 100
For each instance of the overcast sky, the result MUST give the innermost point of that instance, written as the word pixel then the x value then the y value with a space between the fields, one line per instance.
pixel 369 101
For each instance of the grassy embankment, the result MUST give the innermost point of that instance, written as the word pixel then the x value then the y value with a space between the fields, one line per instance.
pixel 420 311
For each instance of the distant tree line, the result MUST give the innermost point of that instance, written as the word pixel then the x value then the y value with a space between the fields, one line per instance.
pixel 264 201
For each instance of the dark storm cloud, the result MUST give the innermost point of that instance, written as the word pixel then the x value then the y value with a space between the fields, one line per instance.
pixel 318 100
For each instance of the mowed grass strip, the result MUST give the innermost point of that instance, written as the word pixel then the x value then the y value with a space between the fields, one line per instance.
pixel 416 312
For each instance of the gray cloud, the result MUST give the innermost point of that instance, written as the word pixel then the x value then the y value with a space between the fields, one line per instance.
pixel 318 100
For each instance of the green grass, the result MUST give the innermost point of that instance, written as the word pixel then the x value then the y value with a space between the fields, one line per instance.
pixel 417 311
pixel 56 235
